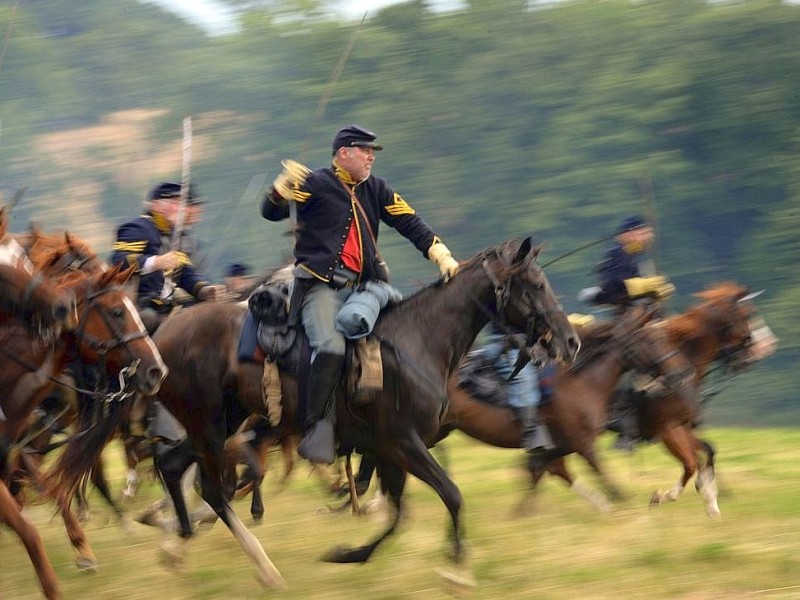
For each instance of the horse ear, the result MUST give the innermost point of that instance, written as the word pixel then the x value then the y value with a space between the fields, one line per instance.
pixel 522 253
pixel 125 274
pixel 3 221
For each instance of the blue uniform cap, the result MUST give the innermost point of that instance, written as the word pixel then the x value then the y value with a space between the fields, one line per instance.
pixel 629 223
pixel 236 270
pixel 355 135
pixel 168 189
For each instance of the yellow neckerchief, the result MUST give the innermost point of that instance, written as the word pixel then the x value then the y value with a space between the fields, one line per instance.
pixel 343 175
pixel 161 222
pixel 633 248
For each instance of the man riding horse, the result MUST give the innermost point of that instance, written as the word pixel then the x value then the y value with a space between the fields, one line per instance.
pixel 338 210
pixel 627 276
pixel 145 243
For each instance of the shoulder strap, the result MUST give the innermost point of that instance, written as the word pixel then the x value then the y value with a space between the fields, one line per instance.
pixel 364 216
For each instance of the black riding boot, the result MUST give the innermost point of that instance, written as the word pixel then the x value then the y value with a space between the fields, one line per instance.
pixel 534 434
pixel 323 377
pixel 624 419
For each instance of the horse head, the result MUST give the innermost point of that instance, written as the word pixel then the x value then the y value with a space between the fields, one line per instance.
pixel 730 313
pixel 111 333
pixel 525 302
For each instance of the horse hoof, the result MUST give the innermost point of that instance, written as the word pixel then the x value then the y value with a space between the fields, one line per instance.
pixel 86 564
pixel 273 580
pixel 459 584
pixel 656 498
pixel 172 555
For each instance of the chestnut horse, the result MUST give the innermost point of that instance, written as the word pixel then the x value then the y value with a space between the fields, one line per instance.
pixel 423 339
pixel 609 349
pixel 30 306
pixel 716 330
pixel 109 334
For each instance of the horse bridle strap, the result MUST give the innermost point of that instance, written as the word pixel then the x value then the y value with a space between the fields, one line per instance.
pixel 94 343
pixel 502 292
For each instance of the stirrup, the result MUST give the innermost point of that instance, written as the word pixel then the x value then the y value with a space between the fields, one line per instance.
pixel 318 444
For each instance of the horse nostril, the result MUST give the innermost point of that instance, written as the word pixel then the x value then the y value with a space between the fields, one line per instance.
pixel 154 376
pixel 60 312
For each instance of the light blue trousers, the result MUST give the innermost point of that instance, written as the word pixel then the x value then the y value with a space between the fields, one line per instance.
pixel 321 303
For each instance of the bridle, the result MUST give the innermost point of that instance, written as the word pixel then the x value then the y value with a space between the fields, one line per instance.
pixel 730 354
pixel 536 328
pixel 102 347
pixel 656 368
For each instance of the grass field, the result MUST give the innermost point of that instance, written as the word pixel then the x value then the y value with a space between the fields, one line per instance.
pixel 563 550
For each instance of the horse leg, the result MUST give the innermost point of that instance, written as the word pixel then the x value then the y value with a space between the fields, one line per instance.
pixel 132 460
pixel 101 484
pixel 288 446
pixel 536 469
pixel 85 559
pixel 393 480
pixel 12 516
pixel 612 492
pixel 678 440
pixel 239 449
pixel 424 467
pixel 706 481
pixel 171 462
pixel 212 483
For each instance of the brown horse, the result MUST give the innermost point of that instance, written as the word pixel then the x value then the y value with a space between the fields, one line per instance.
pixel 31 306
pixel 109 334
pixel 423 339
pixel 608 350
pixel 718 329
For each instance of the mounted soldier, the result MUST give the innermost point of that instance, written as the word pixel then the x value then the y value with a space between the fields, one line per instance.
pixel 146 243
pixel 338 210
pixel 626 276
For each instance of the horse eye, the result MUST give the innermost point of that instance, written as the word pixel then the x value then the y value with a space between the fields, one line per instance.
pixel 118 312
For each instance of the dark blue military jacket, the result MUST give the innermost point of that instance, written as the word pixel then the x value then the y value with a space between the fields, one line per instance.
pixel 613 270
pixel 142 238
pixel 324 213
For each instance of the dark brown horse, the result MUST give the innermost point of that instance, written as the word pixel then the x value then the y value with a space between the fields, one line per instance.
pixel 109 334
pixel 423 339
pixel 608 350
pixel 717 330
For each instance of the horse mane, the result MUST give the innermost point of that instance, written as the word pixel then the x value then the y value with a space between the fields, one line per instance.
pixel 594 343
pixel 45 250
pixel 421 294
pixel 684 326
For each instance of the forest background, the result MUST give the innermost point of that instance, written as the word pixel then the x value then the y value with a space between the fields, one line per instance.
pixel 500 118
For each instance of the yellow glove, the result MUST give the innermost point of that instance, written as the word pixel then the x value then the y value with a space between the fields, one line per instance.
pixel 291 178
pixel 440 254
pixel 579 320
pixel 656 285
pixel 665 291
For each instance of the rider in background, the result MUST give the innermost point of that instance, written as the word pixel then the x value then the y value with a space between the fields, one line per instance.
pixel 627 276
pixel 523 390
pixel 145 243
pixel 238 281
pixel 338 210
pixel 626 273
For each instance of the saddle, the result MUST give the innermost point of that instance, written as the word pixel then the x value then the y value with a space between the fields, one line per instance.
pixel 477 375
pixel 270 335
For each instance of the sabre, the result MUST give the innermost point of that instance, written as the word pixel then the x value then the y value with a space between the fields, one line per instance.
pixel 185 177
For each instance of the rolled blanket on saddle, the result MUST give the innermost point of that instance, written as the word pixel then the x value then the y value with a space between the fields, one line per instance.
pixel 357 317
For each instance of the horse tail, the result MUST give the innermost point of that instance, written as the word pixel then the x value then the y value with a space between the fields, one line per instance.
pixel 97 422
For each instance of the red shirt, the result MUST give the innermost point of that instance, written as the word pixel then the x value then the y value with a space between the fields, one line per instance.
pixel 351 253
